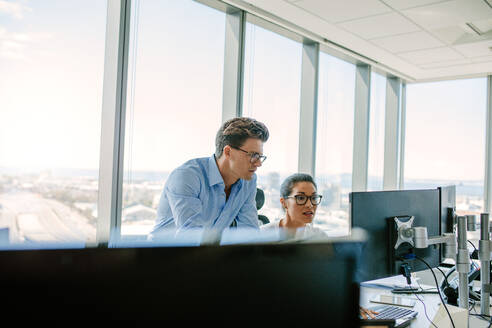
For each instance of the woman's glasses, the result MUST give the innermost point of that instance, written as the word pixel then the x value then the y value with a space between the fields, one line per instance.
pixel 302 199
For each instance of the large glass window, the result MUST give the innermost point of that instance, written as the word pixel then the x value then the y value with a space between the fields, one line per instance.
pixel 272 82
pixel 376 132
pixel 445 139
pixel 51 75
pixel 334 143
pixel 174 103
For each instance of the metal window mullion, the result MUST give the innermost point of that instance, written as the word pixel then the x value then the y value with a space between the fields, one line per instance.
pixel 233 64
pixel 488 150
pixel 403 125
pixel 308 107
pixel 391 134
pixel 113 120
pixel 360 157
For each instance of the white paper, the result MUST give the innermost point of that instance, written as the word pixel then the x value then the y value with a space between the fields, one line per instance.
pixel 394 282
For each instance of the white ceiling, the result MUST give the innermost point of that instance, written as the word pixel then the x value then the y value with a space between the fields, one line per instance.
pixel 420 40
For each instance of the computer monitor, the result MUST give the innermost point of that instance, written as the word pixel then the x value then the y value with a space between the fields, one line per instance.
pixel 235 284
pixel 375 211
pixel 447 208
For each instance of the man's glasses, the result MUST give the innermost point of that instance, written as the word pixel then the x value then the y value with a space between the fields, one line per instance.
pixel 254 157
pixel 302 199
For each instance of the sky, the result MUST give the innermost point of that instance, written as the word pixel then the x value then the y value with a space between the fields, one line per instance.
pixel 334 141
pixel 272 94
pixel 52 66
pixel 445 128
pixel 51 69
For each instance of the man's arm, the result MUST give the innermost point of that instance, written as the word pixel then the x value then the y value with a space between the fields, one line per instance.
pixel 182 192
pixel 248 214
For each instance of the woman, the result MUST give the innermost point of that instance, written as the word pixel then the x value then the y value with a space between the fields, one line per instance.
pixel 299 199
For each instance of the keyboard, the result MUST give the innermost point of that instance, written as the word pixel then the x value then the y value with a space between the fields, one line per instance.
pixel 393 312
pixel 402 316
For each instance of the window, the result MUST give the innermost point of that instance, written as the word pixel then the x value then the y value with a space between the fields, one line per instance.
pixel 51 69
pixel 376 132
pixel 334 143
pixel 272 82
pixel 445 139
pixel 174 102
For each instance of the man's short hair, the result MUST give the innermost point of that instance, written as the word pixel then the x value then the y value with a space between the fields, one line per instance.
pixel 235 131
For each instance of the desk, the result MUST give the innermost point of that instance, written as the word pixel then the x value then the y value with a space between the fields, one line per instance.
pixel 432 302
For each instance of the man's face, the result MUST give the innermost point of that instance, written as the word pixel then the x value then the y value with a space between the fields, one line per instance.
pixel 241 161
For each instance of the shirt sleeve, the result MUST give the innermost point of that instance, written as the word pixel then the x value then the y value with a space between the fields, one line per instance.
pixel 248 214
pixel 183 192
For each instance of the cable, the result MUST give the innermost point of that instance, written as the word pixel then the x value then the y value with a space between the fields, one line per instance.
pixel 484 317
pixel 425 309
pixel 473 302
pixel 472 245
pixel 481 316
pixel 453 269
pixel 445 277
pixel 437 285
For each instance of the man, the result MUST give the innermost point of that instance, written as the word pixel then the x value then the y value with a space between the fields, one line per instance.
pixel 213 193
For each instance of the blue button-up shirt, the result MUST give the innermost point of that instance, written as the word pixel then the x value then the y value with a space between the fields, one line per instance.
pixel 194 198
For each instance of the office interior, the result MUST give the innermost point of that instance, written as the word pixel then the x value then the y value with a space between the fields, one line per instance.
pixel 101 100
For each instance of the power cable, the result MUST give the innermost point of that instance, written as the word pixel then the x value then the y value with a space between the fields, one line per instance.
pixel 437 286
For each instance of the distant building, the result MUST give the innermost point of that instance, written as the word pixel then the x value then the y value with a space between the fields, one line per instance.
pixel 155 200
pixel 137 213
pixel 86 206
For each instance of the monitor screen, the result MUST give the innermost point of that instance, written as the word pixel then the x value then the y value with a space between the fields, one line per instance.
pixel 447 208
pixel 297 283
pixel 375 211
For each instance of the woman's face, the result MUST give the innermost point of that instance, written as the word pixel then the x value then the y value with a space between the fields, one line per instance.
pixel 300 215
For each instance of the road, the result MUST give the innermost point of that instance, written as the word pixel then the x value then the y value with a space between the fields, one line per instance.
pixel 30 217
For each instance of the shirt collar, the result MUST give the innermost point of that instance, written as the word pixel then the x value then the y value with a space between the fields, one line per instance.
pixel 214 176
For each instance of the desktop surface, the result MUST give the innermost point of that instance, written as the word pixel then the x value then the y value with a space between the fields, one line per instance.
pixel 427 305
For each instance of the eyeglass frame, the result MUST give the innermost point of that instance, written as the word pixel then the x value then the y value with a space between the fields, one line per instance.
pixel 307 197
pixel 251 155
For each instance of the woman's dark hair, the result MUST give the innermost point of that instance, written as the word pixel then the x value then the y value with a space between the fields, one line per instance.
pixel 235 131
pixel 290 181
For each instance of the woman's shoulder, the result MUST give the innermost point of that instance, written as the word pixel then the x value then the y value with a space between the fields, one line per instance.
pixel 313 231
pixel 272 225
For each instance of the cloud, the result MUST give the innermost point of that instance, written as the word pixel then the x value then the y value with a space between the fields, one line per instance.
pixel 16 10
pixel 14 45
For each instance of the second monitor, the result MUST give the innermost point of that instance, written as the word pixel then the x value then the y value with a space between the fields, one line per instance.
pixel 375 211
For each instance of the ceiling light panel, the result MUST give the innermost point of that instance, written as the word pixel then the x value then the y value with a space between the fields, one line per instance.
pixel 447 63
pixel 450 13
pixel 431 56
pixel 405 4
pixel 451 35
pixel 380 26
pixel 484 59
pixel 408 42
pixel 477 49
pixel 334 11
pixel 484 25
